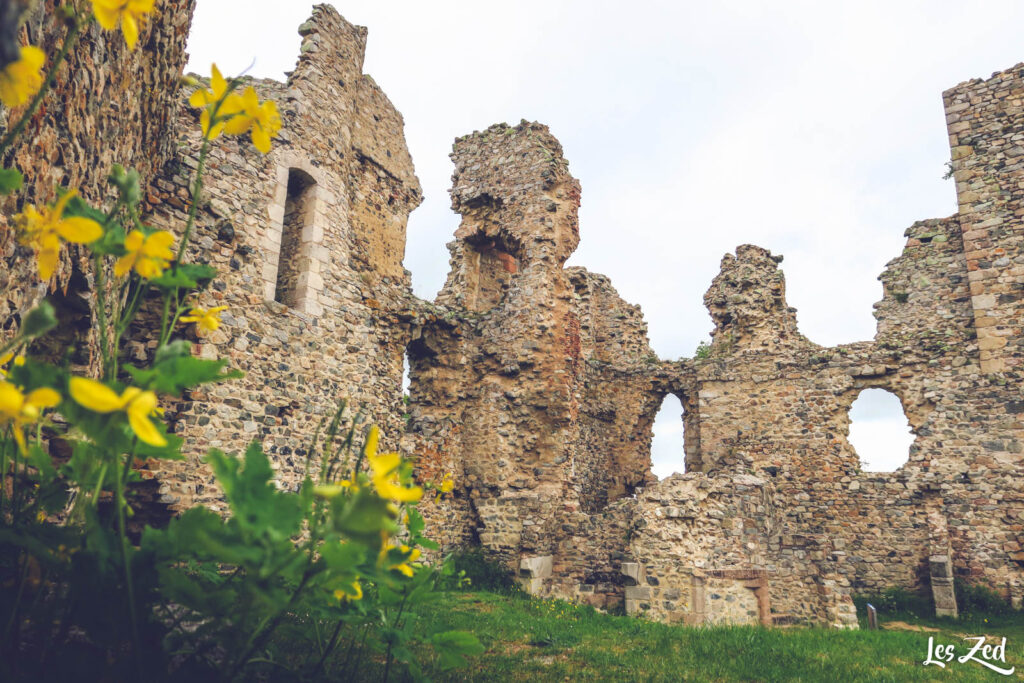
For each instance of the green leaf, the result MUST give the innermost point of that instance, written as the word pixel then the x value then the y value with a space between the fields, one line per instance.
pixel 10 180
pixel 259 508
pixel 112 242
pixel 127 183
pixel 40 459
pixel 186 276
pixel 453 647
pixel 342 557
pixel 416 523
pixel 39 320
pixel 174 374
pixel 363 516
pixel 77 206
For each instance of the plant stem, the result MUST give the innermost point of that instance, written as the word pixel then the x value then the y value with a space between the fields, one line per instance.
pixel 14 482
pixel 398 617
pixel 197 189
pixel 331 644
pixel 129 585
pixel 260 636
pixel 11 343
pixel 69 41
pixel 3 476
pixel 101 312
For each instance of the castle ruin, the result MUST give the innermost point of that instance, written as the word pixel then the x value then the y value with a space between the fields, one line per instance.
pixel 534 384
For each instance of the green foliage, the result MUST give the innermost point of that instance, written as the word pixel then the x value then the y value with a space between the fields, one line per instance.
pixel 550 640
pixel 307 584
pixel 479 572
pixel 10 180
pixel 703 351
pixel 974 599
pixel 897 601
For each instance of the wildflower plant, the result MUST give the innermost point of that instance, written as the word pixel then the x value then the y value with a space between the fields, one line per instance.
pixel 331 563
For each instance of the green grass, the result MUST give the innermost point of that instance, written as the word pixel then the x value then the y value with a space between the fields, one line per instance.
pixel 527 639
pixel 543 640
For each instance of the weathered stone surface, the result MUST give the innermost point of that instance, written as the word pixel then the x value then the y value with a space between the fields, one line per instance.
pixel 533 384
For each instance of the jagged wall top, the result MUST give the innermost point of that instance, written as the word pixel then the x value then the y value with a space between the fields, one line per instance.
pixel 747 301
pixel 330 68
pixel 513 183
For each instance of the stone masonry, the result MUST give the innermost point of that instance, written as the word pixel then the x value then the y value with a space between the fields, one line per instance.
pixel 534 385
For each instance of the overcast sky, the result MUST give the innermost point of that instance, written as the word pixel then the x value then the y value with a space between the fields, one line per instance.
pixel 812 128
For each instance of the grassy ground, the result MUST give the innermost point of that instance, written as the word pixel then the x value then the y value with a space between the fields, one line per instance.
pixel 553 641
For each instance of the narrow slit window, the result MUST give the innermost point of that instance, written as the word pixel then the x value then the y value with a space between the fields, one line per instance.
pixel 298 214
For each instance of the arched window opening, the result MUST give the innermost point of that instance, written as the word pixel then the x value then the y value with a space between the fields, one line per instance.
pixel 668 445
pixel 880 431
pixel 298 214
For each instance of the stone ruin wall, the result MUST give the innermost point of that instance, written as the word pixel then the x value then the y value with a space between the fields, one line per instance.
pixel 127 99
pixel 774 504
pixel 535 385
pixel 304 241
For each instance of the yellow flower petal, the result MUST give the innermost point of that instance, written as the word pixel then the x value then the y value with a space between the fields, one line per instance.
pixel 218 85
pixel 11 401
pixel 148 268
pixel 141 407
pixel 261 139
pixel 21 80
pixel 124 265
pixel 145 430
pixel 130 29
pixel 372 439
pixel 79 230
pixel 134 240
pixel 19 436
pixel 200 98
pixel 158 245
pixel 47 261
pixel 95 396
pixel 43 398
pixel 107 14
pixel 408 495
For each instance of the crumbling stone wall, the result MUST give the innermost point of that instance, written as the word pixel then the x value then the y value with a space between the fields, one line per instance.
pixel 108 105
pixel 304 239
pixel 766 410
pixel 533 384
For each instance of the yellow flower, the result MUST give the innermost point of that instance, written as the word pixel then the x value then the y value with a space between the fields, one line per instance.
pixel 43 231
pixel 138 404
pixel 129 13
pixel 262 119
pixel 6 358
pixel 17 409
pixel 207 99
pixel 205 319
pixel 356 592
pixel 412 554
pixel 447 484
pixel 148 254
pixel 385 472
pixel 21 80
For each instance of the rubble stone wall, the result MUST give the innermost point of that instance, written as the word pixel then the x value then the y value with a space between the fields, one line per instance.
pixel 301 237
pixel 534 385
